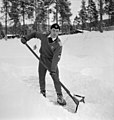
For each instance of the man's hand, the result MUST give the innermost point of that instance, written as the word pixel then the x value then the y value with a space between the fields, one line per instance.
pixel 23 40
pixel 53 74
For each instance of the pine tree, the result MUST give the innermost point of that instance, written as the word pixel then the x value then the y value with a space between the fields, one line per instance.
pixel 76 22
pixel 63 9
pixel 101 12
pixel 83 14
pixel 41 13
pixel 25 9
pixel 17 9
pixel 92 14
pixel 65 13
pixel 109 9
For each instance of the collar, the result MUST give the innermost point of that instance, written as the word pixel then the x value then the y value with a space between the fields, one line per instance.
pixel 53 39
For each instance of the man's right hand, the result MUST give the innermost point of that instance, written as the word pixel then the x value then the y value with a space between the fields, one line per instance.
pixel 23 40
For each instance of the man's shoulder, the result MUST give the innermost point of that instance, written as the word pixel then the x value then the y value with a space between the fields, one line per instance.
pixel 41 35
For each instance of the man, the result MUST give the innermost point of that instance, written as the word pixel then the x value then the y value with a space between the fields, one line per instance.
pixel 50 53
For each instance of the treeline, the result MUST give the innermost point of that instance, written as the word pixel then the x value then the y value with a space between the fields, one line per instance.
pixel 16 11
pixel 90 16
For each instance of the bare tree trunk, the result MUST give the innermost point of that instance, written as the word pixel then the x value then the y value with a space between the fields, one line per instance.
pixel 101 17
pixel 23 6
pixel 6 19
pixel 56 11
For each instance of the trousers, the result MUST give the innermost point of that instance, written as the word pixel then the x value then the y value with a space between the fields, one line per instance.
pixel 42 73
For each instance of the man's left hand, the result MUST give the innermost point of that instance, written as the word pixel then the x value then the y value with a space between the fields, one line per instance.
pixel 53 74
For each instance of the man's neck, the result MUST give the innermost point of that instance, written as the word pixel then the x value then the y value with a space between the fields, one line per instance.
pixel 53 38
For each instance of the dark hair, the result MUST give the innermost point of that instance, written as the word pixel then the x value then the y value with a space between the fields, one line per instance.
pixel 56 26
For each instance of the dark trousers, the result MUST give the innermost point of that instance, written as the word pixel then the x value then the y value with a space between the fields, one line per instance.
pixel 42 73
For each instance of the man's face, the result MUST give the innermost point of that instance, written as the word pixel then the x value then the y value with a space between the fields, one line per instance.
pixel 54 32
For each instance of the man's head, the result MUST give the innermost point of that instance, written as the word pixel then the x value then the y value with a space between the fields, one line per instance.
pixel 55 28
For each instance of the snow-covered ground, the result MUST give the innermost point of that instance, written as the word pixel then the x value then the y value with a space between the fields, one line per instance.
pixel 86 68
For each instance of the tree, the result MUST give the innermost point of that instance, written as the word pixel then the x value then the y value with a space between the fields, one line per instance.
pixel 92 14
pixel 16 9
pixel 59 4
pixel 109 9
pixel 101 12
pixel 76 22
pixel 42 11
pixel 5 11
pixel 47 5
pixel 1 31
pixel 62 10
pixel 65 13
pixel 25 9
pixel 41 14
pixel 83 14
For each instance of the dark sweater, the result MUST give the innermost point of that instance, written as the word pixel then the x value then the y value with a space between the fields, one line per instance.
pixel 48 49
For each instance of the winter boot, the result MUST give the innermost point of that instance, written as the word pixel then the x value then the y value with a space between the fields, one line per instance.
pixel 43 92
pixel 61 100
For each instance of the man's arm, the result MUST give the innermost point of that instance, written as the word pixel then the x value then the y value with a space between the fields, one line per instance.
pixel 30 36
pixel 33 35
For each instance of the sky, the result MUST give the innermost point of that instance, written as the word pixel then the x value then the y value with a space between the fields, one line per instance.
pixel 75 7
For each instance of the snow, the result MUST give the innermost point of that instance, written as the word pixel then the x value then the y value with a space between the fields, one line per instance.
pixel 86 68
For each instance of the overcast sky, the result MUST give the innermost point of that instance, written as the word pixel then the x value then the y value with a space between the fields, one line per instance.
pixel 75 7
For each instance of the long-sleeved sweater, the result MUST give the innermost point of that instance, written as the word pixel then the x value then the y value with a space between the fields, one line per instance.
pixel 49 50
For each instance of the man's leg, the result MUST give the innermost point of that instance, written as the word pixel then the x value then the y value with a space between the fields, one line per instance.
pixel 42 73
pixel 56 83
